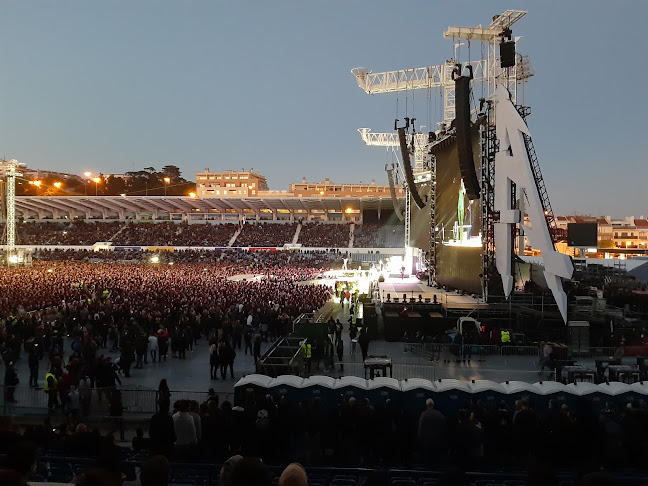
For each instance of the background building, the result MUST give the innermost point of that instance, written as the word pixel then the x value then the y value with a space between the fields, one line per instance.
pixel 230 183
pixel 326 188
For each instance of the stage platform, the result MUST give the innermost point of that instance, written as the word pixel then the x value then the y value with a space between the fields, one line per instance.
pixel 412 287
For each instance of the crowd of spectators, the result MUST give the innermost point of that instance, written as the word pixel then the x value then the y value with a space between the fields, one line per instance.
pixel 266 234
pixel 323 235
pixel 358 433
pixel 143 288
pixel 175 234
pixel 143 311
pixel 298 265
pixel 168 233
pixel 67 233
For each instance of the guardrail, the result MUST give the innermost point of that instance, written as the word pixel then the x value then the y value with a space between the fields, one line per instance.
pixel 135 400
pixel 399 371
pixel 436 351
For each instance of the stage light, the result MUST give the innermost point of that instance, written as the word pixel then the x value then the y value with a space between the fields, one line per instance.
pixel 155 259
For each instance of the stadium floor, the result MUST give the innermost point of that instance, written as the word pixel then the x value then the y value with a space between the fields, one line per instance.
pixel 192 374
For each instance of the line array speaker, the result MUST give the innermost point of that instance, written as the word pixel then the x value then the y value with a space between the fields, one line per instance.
pixel 464 141
pixel 407 166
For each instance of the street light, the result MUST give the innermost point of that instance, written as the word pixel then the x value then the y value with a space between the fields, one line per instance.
pixel 87 175
pixel 96 180
pixel 36 183
pixel 166 183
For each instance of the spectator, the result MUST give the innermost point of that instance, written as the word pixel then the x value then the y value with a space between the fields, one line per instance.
pixel 184 426
pixel 432 432
pixel 250 471
pixel 155 472
pixel 293 475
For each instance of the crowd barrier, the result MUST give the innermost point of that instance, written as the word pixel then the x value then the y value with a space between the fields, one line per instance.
pixel 449 395
pixel 135 400
pixel 483 350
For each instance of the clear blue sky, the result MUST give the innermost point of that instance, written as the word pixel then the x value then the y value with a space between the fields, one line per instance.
pixel 113 86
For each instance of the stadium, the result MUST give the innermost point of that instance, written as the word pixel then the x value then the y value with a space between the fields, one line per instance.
pixel 337 335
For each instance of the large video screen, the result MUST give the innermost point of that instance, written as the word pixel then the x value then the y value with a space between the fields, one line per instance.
pixel 458 222
pixel 584 235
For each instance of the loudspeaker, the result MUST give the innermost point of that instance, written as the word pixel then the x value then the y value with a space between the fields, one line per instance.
pixel 464 141
pixel 507 54
pixel 407 166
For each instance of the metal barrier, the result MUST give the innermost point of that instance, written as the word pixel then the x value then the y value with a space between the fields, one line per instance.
pixel 595 352
pixel 400 371
pixel 135 400
pixel 513 350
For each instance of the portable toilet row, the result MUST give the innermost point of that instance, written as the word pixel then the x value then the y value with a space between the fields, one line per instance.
pixel 449 395
pixel 251 389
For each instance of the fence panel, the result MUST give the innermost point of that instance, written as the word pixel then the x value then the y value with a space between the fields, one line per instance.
pixel 400 371
pixel 135 400
pixel 519 350
pixel 596 352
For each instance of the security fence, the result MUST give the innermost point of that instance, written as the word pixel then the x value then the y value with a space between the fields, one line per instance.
pixel 436 351
pixel 134 400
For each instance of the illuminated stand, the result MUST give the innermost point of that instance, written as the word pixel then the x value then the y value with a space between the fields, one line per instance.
pixel 14 256
pixel 513 166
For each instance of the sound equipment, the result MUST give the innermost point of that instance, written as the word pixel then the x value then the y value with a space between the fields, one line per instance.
pixel 464 140
pixel 407 167
pixel 507 54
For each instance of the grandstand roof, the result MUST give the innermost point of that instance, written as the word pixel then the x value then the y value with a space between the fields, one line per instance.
pixel 27 205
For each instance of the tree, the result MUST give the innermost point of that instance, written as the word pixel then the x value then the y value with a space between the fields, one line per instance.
pixel 173 172
pixel 115 186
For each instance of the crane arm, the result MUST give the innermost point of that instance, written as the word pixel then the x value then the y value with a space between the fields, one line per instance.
pixel 390 139
pixel 417 78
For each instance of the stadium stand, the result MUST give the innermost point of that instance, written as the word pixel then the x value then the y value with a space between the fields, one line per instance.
pixel 68 233
pixel 369 235
pixel 323 235
pixel 176 234
pixel 266 234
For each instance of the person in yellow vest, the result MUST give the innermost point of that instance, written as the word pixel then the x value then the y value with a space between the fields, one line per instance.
pixel 51 388
pixel 307 351
pixel 506 337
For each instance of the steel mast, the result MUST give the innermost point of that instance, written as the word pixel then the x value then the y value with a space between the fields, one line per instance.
pixel 11 173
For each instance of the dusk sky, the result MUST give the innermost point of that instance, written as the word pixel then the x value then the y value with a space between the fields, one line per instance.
pixel 114 86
